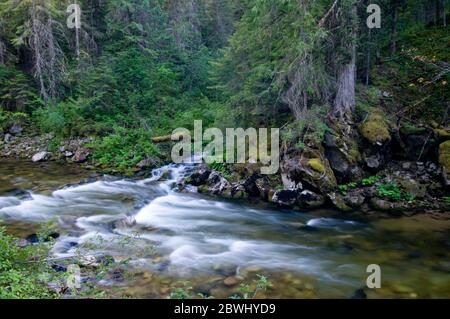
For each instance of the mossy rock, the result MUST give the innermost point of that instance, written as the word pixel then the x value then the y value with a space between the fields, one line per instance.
pixel 375 129
pixel 317 165
pixel 444 156
pixel 442 134
pixel 411 129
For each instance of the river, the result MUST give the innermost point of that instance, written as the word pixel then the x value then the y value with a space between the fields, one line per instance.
pixel 174 239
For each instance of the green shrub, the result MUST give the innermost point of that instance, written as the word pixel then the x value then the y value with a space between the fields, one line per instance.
pixel 124 149
pixel 393 192
pixel 23 271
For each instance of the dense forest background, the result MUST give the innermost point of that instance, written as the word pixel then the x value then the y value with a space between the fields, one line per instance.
pixel 141 68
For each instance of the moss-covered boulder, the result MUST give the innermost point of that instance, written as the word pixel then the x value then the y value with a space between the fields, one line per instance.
pixel 317 165
pixel 375 128
pixel 444 156
pixel 308 168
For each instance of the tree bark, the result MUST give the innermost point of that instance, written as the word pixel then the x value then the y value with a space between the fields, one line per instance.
pixel 369 56
pixel 394 27
pixel 344 103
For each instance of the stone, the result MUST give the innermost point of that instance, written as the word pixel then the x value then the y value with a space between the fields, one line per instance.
pixel 309 199
pixel 81 155
pixel 7 138
pixel 148 163
pixel 297 170
pixel 338 202
pixel 284 197
pixel 16 129
pixel 387 206
pixel 413 187
pixel 263 187
pixel 200 177
pixel 355 198
pixel 338 162
pixel 39 157
pixel 68 154
pixel 374 162
pixel 375 128
pixel 232 281
pixel 330 140
pixel 359 294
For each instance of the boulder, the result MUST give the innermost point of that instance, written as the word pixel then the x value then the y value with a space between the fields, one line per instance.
pixel 81 155
pixel 199 177
pixel 262 184
pixel 16 129
pixel 374 162
pixel 309 199
pixel 7 138
pixel 338 201
pixel 387 206
pixel 354 198
pixel 148 163
pixel 375 128
pixel 338 162
pixel 40 157
pixel 309 170
pixel 413 187
pixel 444 156
pixel 285 197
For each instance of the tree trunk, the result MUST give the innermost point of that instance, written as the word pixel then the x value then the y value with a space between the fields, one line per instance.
pixel 369 56
pixel 394 28
pixel 344 103
pixel 77 40
pixel 38 61
pixel 444 17
pixel 437 11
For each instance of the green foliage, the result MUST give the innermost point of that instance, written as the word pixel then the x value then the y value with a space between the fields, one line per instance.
pixel 310 129
pixel 369 181
pixel 393 192
pixel 8 119
pixel 181 292
pixel 23 271
pixel 222 168
pixel 343 189
pixel 250 291
pixel 16 91
pixel 124 148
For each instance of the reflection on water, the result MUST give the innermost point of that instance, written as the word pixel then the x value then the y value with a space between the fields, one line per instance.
pixel 172 237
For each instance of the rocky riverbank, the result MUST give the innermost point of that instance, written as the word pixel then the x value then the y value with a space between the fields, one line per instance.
pixel 364 167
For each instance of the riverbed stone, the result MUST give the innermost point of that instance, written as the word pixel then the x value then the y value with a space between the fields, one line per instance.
pixel 40 157
pixel 284 197
pixel 232 281
pixel 81 155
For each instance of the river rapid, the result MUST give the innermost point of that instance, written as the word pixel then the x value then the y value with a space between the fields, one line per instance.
pixel 184 239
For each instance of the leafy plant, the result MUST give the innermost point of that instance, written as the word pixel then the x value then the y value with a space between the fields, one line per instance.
pixel 23 271
pixel 250 291
pixel 393 192
pixel 370 180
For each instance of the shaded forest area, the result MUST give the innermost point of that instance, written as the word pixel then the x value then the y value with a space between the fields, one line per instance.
pixel 137 69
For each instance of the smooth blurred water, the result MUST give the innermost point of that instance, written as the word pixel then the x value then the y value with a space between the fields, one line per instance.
pixel 176 236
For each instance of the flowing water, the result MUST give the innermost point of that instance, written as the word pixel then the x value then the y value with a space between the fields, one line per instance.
pixel 175 239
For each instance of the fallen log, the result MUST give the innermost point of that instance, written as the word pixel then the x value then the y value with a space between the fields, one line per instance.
pixel 166 138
